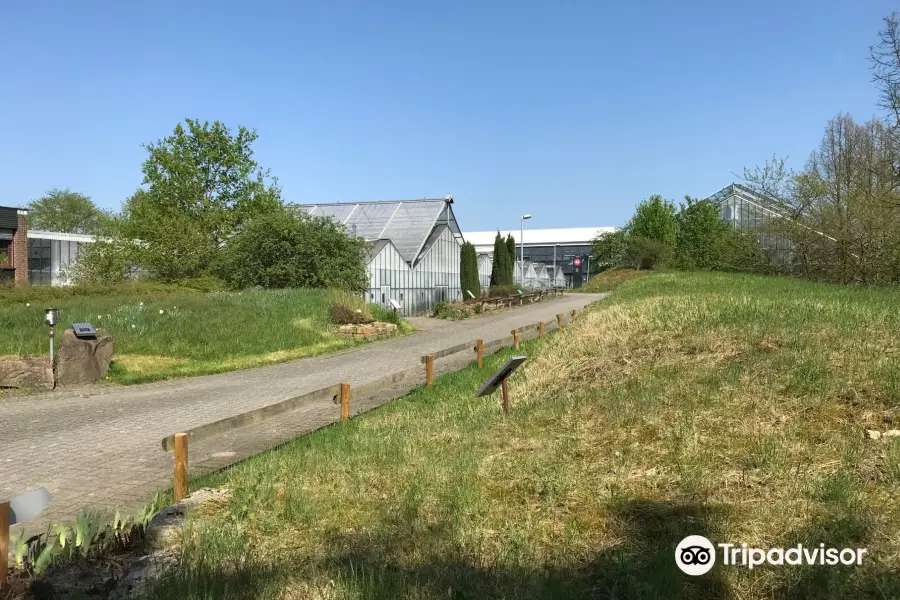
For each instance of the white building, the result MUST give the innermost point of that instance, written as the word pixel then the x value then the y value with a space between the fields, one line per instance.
pixel 50 253
pixel 416 249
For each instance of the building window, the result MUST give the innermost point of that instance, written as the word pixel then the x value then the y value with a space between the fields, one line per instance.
pixel 39 266
pixel 6 253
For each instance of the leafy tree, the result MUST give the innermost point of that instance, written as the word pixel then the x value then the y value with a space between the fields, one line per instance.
pixel 112 258
pixel 283 249
pixel 203 186
pixel 65 211
pixel 608 249
pixel 701 234
pixel 655 220
pixel 513 259
pixel 468 270
pixel 500 267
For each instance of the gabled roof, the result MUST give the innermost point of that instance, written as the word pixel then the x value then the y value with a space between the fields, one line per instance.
pixel 748 195
pixel 406 223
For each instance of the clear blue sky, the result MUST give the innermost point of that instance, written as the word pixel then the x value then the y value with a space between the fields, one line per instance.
pixel 572 111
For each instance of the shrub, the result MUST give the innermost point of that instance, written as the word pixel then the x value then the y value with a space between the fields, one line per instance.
pixel 468 270
pixel 286 250
pixel 384 314
pixel 646 253
pixel 511 259
pixel 344 314
pixel 499 267
pixel 498 291
pixel 452 312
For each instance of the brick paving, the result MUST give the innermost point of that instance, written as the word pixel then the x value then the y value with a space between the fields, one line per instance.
pixel 101 447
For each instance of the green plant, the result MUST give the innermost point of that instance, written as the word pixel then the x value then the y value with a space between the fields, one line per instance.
pixel 499 291
pixel 468 270
pixel 65 211
pixel 500 268
pixel 384 314
pixel 511 260
pixel 452 312
pixel 283 249
pixel 343 314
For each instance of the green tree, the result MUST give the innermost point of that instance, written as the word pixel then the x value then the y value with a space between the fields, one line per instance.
pixel 283 249
pixel 702 236
pixel 651 233
pixel 468 270
pixel 203 186
pixel 513 259
pixel 65 211
pixel 608 249
pixel 655 219
pixel 500 266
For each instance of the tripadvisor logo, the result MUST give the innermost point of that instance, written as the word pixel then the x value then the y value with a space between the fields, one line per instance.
pixel 696 555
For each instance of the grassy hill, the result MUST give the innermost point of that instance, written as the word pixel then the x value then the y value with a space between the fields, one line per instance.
pixel 734 407
pixel 162 332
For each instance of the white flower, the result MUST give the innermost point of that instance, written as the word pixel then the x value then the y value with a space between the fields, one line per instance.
pixel 142 303
pixel 28 304
pixel 160 311
pixel 98 316
pixel 132 325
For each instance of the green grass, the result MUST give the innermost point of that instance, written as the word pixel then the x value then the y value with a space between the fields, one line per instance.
pixel 733 407
pixel 162 332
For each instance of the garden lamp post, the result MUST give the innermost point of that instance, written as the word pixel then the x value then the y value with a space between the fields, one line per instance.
pixel 522 249
pixel 50 316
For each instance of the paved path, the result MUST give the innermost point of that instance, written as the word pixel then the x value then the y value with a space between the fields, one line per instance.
pixel 101 447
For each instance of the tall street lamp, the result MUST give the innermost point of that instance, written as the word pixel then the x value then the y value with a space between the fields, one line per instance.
pixel 522 248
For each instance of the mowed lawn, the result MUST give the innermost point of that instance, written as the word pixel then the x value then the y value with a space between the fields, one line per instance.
pixel 162 333
pixel 734 407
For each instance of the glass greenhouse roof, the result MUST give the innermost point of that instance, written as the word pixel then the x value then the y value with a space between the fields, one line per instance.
pixel 406 223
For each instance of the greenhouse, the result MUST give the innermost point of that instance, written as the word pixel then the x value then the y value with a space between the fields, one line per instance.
pixel 414 258
pixel 746 210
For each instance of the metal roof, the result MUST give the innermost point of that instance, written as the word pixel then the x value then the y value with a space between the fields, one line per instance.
pixel 539 237
pixel 36 234
pixel 406 223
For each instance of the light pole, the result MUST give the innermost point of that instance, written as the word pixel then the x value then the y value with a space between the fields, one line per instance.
pixel 50 317
pixel 522 249
pixel 555 246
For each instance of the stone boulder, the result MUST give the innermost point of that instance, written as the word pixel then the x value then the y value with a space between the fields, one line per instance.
pixel 26 373
pixel 81 361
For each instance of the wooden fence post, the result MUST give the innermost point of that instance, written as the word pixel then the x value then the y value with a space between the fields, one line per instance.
pixel 479 349
pixel 181 458
pixel 345 402
pixel 4 541
pixel 429 370
pixel 559 320
pixel 515 333
pixel 541 329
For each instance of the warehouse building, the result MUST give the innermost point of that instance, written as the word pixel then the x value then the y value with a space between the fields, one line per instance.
pixel 567 249
pixel 415 253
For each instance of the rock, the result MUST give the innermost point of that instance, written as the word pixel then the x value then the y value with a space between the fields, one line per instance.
pixel 142 570
pixel 80 361
pixel 164 530
pixel 873 434
pixel 891 433
pixel 26 373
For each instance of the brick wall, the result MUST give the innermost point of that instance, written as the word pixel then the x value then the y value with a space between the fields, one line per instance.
pixel 20 249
